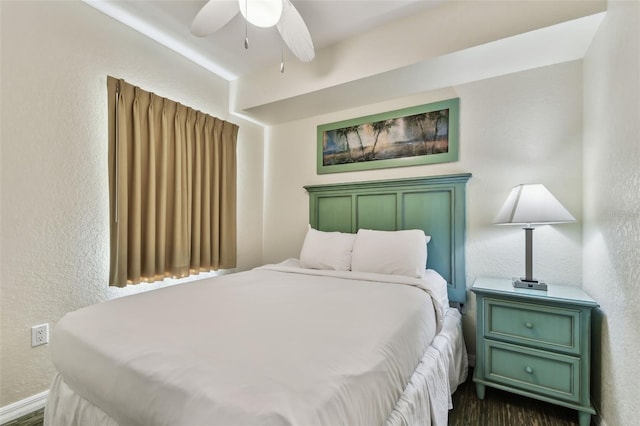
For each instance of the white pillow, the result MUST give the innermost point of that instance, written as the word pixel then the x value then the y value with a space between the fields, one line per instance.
pixel 327 250
pixel 390 252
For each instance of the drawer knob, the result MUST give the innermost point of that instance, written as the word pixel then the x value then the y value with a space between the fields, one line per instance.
pixel 528 325
pixel 528 369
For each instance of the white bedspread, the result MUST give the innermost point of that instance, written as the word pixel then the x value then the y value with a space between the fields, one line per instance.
pixel 274 346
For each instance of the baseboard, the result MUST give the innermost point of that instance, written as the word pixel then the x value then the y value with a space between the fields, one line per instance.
pixel 23 407
pixel 599 421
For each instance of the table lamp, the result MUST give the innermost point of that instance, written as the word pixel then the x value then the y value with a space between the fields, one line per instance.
pixel 531 205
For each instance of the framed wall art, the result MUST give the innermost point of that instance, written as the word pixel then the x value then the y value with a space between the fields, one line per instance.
pixel 424 134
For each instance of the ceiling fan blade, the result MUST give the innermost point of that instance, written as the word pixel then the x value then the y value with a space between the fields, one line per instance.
pixel 295 33
pixel 214 15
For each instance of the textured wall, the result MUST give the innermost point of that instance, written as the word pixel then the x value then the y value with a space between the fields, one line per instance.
pixel 612 208
pixel 55 241
pixel 519 128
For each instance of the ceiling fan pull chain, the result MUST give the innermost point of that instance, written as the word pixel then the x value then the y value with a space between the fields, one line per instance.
pixel 246 31
pixel 282 59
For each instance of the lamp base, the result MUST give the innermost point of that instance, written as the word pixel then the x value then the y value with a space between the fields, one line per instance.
pixel 530 284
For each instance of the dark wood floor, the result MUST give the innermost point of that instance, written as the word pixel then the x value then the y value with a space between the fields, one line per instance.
pixel 497 409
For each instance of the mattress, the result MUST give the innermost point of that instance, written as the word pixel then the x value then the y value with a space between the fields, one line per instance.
pixel 273 346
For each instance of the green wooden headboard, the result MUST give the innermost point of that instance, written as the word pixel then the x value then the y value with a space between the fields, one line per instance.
pixel 435 204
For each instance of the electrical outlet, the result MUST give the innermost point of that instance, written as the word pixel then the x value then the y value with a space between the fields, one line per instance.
pixel 39 335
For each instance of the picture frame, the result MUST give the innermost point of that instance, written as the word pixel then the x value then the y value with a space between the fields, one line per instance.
pixel 423 134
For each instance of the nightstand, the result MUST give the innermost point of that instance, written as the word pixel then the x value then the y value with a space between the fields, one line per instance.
pixel 535 343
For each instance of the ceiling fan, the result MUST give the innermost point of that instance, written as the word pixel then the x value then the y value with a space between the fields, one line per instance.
pixel 217 13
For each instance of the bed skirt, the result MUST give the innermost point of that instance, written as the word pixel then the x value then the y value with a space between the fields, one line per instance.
pixel 427 398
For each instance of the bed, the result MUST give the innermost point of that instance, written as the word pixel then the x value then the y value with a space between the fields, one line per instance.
pixel 356 331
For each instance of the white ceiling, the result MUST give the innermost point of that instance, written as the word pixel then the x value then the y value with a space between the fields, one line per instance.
pixel 371 50
pixel 329 22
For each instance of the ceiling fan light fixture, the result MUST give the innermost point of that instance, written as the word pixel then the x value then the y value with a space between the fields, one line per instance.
pixel 261 13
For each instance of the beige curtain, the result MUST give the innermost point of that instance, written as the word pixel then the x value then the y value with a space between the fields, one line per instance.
pixel 172 188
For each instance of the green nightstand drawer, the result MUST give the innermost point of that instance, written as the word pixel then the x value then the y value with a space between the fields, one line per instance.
pixel 541 326
pixel 545 373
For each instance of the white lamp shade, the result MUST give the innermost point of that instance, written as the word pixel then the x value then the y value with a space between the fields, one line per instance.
pixel 261 13
pixel 532 204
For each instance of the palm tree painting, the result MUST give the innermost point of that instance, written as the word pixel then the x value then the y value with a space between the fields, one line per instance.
pixel 404 137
